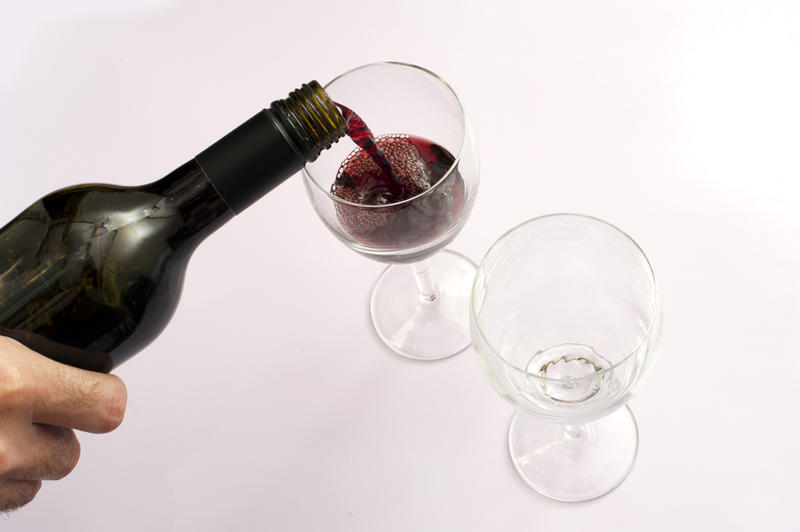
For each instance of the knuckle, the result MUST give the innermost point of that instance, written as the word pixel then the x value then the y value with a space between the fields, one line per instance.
pixel 9 344
pixel 29 491
pixel 18 493
pixel 13 386
pixel 68 455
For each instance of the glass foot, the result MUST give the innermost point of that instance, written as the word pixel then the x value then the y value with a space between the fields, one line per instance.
pixel 419 328
pixel 574 463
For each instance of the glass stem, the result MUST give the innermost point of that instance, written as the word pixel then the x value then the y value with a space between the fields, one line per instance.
pixel 425 282
pixel 573 432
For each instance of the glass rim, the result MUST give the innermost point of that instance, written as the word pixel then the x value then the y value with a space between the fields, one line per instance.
pixel 464 133
pixel 650 327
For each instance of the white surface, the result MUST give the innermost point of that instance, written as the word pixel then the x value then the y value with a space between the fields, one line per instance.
pixel 268 404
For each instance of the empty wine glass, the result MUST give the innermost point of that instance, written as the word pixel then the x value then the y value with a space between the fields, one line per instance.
pixel 420 304
pixel 565 320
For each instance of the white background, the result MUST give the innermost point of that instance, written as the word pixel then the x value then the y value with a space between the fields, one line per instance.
pixel 269 404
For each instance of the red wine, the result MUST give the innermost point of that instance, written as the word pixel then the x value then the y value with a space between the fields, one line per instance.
pixel 417 164
pixel 381 187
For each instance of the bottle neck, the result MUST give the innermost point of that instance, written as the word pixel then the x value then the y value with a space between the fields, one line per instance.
pixel 271 146
pixel 188 195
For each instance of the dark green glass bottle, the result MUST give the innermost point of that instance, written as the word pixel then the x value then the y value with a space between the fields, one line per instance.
pixel 91 274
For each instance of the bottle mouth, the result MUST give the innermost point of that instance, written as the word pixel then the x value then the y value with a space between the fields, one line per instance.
pixel 312 119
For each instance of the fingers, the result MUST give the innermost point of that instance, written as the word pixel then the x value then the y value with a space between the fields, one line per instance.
pixel 58 394
pixel 74 398
pixel 41 452
pixel 16 493
pixel 40 402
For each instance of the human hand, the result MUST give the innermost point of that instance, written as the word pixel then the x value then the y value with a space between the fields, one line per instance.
pixel 41 401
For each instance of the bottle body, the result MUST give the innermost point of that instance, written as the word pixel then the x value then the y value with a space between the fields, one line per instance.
pixel 92 274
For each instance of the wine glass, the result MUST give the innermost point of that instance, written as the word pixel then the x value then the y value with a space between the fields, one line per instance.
pixel 420 303
pixel 565 319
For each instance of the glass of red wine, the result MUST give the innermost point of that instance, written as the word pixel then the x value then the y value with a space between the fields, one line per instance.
pixel 398 193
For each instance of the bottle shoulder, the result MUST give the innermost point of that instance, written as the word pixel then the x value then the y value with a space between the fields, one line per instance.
pixel 91 268
pixel 91 226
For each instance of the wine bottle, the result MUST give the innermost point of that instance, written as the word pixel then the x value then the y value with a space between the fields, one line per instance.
pixel 91 274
